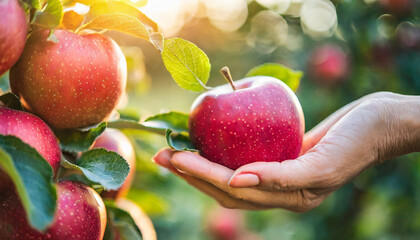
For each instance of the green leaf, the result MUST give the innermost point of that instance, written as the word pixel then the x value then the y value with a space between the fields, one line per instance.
pixel 32 177
pixel 120 22
pixel 51 16
pixel 290 77
pixel 120 222
pixel 188 64
pixel 37 4
pixel 10 100
pixel 107 168
pixel 179 141
pixel 103 7
pixel 176 121
pixel 74 140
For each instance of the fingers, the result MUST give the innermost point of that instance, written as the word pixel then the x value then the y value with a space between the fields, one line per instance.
pixel 289 175
pixel 202 168
pixel 163 158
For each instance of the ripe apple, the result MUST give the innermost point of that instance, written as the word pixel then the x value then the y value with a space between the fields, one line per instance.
pixel 74 83
pixel 261 120
pixel 13 27
pixel 33 131
pixel 328 64
pixel 115 140
pixel 80 215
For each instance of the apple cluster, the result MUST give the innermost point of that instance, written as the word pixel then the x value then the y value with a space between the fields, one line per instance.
pixel 75 82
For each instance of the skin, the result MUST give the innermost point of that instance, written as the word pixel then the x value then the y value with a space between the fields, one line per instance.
pixel 13 27
pixel 261 120
pixel 115 140
pixel 356 137
pixel 80 215
pixel 33 131
pixel 74 83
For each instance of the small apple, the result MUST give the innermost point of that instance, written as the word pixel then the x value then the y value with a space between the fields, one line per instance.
pixel 74 83
pixel 398 7
pixel 80 215
pixel 13 27
pixel 33 131
pixel 228 224
pixel 328 64
pixel 260 119
pixel 114 140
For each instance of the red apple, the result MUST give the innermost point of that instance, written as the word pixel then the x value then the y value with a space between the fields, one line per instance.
pixel 74 83
pixel 328 64
pixel 398 7
pixel 115 140
pixel 261 120
pixel 33 131
pixel 80 215
pixel 13 27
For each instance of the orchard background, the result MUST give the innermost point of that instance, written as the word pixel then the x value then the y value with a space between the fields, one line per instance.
pixel 375 44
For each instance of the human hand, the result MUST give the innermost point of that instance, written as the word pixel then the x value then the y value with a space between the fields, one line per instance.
pixel 359 135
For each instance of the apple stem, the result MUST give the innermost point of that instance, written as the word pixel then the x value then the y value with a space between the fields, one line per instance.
pixel 226 73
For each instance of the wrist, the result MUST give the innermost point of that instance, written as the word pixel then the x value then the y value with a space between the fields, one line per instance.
pixel 398 126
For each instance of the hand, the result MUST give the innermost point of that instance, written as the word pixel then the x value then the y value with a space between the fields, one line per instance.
pixel 354 138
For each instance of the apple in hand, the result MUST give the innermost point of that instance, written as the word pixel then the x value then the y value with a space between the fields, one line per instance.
pixel 114 140
pixel 259 120
pixel 74 83
pixel 328 64
pixel 80 215
pixel 34 132
pixel 13 28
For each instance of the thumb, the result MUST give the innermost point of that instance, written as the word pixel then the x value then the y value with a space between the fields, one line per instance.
pixel 288 175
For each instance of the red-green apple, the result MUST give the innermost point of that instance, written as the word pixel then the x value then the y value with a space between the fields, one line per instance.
pixel 13 28
pixel 116 141
pixel 74 83
pixel 261 120
pixel 80 215
pixel 328 64
pixel 33 131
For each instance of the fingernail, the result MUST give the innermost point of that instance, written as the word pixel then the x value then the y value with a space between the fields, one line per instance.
pixel 244 180
pixel 162 157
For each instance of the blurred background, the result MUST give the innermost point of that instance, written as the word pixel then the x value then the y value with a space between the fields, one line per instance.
pixel 346 48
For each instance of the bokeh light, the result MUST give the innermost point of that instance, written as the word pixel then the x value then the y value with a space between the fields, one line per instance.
pixel 318 18
pixel 268 31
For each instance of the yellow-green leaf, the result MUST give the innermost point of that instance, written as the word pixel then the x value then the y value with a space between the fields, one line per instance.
pixel 119 22
pixel 103 7
pixel 188 64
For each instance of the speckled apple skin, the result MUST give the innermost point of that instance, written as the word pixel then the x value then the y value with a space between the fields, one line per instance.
pixel 13 28
pixel 80 215
pixel 74 83
pixel 116 141
pixel 261 121
pixel 33 131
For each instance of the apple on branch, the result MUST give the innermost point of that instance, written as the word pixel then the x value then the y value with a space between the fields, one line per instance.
pixel 73 83
pixel 80 215
pixel 33 131
pixel 13 27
